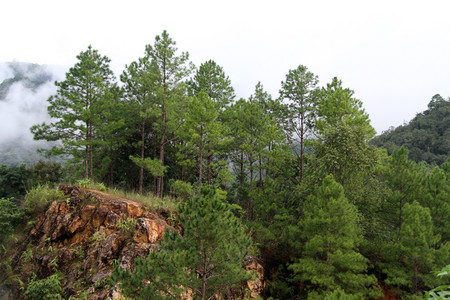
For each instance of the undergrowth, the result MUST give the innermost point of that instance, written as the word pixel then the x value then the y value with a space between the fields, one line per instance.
pixel 149 201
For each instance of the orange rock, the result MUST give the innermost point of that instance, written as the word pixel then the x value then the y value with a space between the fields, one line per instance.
pixel 99 216
pixel 134 210
pixel 86 212
pixel 63 208
pixel 148 231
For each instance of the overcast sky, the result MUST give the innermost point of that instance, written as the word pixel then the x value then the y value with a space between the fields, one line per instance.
pixel 395 55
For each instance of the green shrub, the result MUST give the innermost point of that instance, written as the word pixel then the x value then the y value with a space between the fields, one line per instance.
pixel 181 189
pixel 10 215
pixel 126 226
pixel 44 289
pixel 88 184
pixel 39 198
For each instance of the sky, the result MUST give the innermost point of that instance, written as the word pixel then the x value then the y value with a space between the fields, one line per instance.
pixel 394 54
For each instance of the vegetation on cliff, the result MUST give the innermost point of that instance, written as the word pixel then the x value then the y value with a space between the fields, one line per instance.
pixel 298 173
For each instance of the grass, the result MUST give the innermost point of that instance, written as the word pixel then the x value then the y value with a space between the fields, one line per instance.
pixel 149 201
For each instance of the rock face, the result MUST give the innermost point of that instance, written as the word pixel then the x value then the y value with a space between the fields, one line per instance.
pixel 86 236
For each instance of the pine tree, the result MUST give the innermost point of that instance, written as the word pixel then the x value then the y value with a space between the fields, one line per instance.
pixel 77 108
pixel 211 79
pixel 170 92
pixel 410 258
pixel 140 84
pixel 437 199
pixel 299 89
pixel 207 260
pixel 330 258
pixel 337 105
pixel 202 132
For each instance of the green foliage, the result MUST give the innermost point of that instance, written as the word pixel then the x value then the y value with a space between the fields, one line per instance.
pixel 337 105
pixel 436 198
pixel 330 259
pixel 299 89
pixel 440 292
pixel 44 289
pixel 181 189
pixel 11 214
pixel 14 181
pixel 126 226
pixel 154 166
pixel 44 172
pixel 40 197
pixel 208 259
pixel 89 184
pixel 411 256
pixel 211 79
pixel 77 109
pixel 426 136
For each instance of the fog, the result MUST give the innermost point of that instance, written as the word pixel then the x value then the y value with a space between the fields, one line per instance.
pixel 25 103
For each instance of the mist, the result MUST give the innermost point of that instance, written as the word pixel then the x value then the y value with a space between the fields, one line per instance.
pixel 26 88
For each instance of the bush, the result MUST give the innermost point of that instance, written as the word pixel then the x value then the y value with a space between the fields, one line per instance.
pixel 88 184
pixel 10 215
pixel 39 198
pixel 44 289
pixel 181 189
pixel 126 226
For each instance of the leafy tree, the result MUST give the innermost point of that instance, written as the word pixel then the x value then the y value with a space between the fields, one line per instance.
pixel 44 172
pixel 77 108
pixel 299 89
pixel 207 260
pixel 330 259
pixel 14 181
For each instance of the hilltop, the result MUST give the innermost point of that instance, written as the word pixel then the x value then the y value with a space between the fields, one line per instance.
pixel 427 136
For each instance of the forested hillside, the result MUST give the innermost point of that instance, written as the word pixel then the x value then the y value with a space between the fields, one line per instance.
pixel 291 180
pixel 427 136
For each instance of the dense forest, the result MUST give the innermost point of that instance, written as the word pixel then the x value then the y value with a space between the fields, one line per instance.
pixel 427 136
pixel 330 212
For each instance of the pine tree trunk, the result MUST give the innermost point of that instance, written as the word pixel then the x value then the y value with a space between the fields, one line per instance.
pixel 163 139
pixel 86 159
pixel 241 180
pixel 260 171
pixel 155 151
pixel 302 117
pixel 91 160
pixel 250 198
pixel 160 184
pixel 208 174
pixel 141 171
pixel 111 168
pixel 200 162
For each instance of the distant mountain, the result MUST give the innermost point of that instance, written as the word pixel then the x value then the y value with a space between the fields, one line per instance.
pixel 427 136
pixel 24 90
pixel 31 76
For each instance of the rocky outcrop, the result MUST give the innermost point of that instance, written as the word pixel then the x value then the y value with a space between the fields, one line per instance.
pixel 83 238
pixel 90 233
